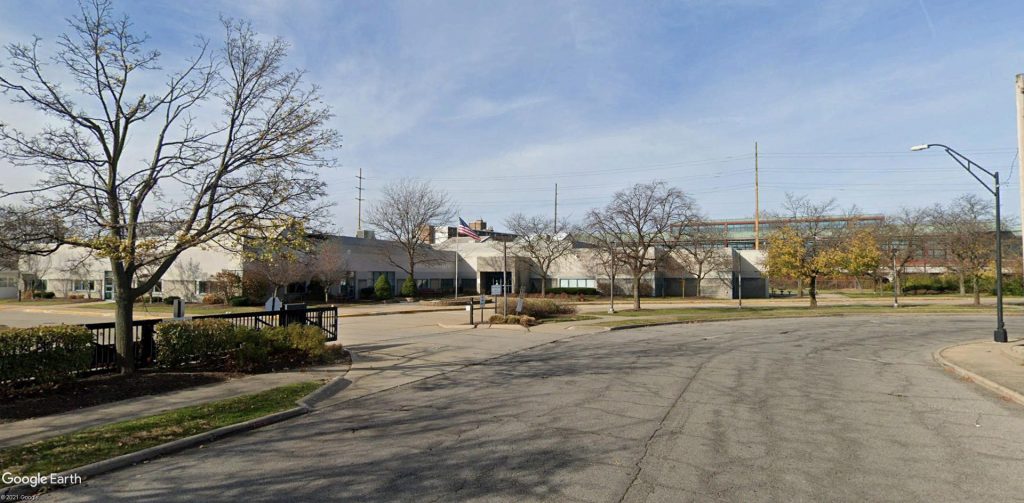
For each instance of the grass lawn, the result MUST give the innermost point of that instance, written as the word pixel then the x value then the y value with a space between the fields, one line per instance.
pixel 732 313
pixel 104 442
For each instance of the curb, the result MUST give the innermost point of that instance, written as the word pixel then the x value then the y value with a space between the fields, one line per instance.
pixel 305 405
pixel 318 395
pixel 694 322
pixel 984 382
pixel 502 326
pixel 1014 356
pixel 408 311
pixel 109 465
pixel 505 326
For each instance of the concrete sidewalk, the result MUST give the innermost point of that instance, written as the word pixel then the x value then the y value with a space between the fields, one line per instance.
pixel 30 430
pixel 998 367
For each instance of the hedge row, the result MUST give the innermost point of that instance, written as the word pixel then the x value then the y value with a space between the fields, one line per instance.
pixel 43 355
pixel 213 342
pixel 573 291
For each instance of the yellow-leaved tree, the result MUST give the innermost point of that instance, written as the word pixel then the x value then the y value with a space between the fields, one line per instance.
pixel 810 244
pixel 863 256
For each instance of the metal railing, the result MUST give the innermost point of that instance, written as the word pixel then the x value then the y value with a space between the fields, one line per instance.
pixel 104 354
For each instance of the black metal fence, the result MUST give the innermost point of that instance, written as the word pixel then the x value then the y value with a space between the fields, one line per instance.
pixel 104 355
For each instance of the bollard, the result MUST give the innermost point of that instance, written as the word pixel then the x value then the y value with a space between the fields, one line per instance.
pixel 470 309
pixel 178 309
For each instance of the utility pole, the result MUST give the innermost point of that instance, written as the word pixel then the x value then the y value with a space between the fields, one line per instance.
pixel 895 282
pixel 359 204
pixel 757 204
pixel 1020 141
pixel 556 208
pixel 504 276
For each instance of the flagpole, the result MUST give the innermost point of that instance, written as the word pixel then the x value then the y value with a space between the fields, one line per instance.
pixel 456 263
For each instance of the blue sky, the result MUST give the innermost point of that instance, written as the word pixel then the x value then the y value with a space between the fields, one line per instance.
pixel 498 101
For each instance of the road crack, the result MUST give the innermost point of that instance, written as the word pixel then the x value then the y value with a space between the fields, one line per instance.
pixel 658 429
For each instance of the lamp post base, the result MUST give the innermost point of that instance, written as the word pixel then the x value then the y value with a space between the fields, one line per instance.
pixel 1000 335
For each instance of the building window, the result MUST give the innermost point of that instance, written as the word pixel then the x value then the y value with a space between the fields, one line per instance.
pixel 577 283
pixel 84 285
pixel 202 287
pixel 7 282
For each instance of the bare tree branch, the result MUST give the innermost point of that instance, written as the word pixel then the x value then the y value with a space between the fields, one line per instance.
pixel 405 214
pixel 219 183
pixel 645 222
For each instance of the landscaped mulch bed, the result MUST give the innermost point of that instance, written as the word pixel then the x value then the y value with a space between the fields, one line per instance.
pixel 98 390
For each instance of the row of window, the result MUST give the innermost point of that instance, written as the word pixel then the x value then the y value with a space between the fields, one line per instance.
pixel 8 282
pixel 202 287
pixel 577 283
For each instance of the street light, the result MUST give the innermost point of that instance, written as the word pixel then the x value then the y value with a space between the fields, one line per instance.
pixel 967 164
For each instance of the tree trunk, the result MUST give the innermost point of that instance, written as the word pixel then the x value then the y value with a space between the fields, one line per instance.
pixel 543 285
pixel 700 270
pixel 800 287
pixel 412 276
pixel 636 292
pixel 611 295
pixel 813 291
pixel 897 283
pixel 123 317
pixel 977 292
pixel 960 277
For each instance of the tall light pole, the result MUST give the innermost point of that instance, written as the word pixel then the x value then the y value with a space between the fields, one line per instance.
pixel 967 164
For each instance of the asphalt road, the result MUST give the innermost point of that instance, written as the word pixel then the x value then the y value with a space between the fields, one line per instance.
pixel 830 409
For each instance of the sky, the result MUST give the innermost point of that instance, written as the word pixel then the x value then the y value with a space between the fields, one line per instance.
pixel 496 102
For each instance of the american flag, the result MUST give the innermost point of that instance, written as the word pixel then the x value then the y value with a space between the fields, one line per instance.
pixel 464 230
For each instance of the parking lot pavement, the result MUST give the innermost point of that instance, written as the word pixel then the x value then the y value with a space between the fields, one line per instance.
pixel 829 409
pixel 14 315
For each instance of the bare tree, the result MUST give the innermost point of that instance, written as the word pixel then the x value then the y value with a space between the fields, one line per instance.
pixel 404 214
pixel 602 256
pixel 226 284
pixel 645 222
pixel 966 228
pixel 33 268
pixel 903 238
pixel 280 261
pixel 537 240
pixel 329 265
pixel 76 269
pixel 253 166
pixel 703 250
